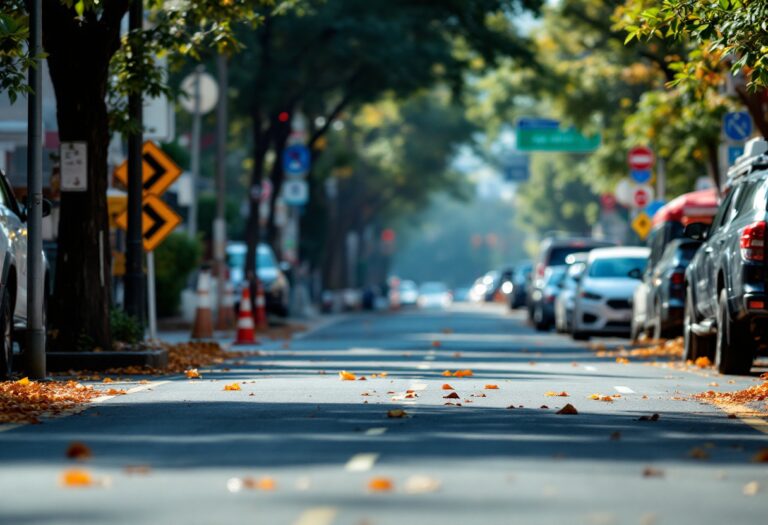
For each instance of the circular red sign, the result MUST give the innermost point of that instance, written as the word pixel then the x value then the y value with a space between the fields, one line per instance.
pixel 641 198
pixel 641 158
pixel 608 201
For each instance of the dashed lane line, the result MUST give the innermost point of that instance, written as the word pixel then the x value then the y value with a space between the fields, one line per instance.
pixel 590 368
pixel 376 431
pixel 361 462
pixel 317 516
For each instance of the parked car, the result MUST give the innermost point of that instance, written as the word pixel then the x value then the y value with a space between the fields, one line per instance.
pixel 659 301
pixel 602 305
pixel 553 251
pixel 434 295
pixel 409 293
pixel 521 272
pixel 726 315
pixel 277 290
pixel 543 298
pixel 565 300
pixel 13 275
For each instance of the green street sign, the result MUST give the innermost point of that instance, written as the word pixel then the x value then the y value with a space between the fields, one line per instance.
pixel 555 139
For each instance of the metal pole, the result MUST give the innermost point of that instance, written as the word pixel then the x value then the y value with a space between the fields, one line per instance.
pixel 151 295
pixel 195 154
pixel 220 222
pixel 661 179
pixel 134 274
pixel 35 276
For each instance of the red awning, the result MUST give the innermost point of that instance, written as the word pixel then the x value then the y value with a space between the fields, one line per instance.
pixel 697 206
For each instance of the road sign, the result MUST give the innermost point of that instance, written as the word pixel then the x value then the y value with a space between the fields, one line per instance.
pixel 640 176
pixel 555 139
pixel 653 207
pixel 734 152
pixel 642 225
pixel 624 192
pixel 515 168
pixel 157 221
pixel 640 158
pixel 74 166
pixel 537 123
pixel 296 159
pixel 295 192
pixel 641 196
pixel 158 169
pixel 209 92
pixel 737 125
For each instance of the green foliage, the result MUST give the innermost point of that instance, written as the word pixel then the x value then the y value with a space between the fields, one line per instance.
pixel 206 212
pixel 175 259
pixel 14 56
pixel 125 328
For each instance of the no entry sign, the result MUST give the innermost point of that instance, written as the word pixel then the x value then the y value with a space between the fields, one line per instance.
pixel 640 158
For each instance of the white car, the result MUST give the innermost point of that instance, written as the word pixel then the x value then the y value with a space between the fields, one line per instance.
pixel 603 304
pixel 434 295
pixel 566 299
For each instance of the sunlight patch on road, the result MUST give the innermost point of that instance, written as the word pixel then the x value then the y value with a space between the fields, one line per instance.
pixel 376 431
pixel 361 462
pixel 624 390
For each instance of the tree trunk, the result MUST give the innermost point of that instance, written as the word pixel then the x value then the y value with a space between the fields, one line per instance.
pixel 713 165
pixel 282 131
pixel 261 140
pixel 754 104
pixel 78 58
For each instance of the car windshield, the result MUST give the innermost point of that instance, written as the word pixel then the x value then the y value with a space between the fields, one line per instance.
pixel 430 288
pixel 616 267
pixel 559 254
pixel 555 275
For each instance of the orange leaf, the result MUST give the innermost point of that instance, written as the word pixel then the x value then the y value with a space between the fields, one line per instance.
pixel 362 378
pixel 115 392
pixel 761 456
pixel 77 450
pixel 232 387
pixel 555 394
pixel 698 453
pixel 192 373
pixel 107 380
pixel 396 413
pixel 463 373
pixel 491 387
pixel 568 410
pixel 447 373
pixel 446 386
pixel 380 485
pixel 265 483
pixel 24 381
pixel 347 376
pixel 76 478
pixel 703 362
pixel 436 344
pixel 452 395
pixel 622 360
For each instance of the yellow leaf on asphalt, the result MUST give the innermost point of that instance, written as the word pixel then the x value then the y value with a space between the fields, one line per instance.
pixel 703 362
pixel 447 373
pixel 463 373
pixel 24 381
pixel 192 373
pixel 347 376
pixel 76 478
pixel 556 394
pixel 380 485
pixel 491 387
pixel 622 360
pixel 751 488
pixel 233 386
pixel 107 380
pixel 264 483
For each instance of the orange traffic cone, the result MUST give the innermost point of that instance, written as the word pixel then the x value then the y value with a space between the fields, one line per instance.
pixel 261 308
pixel 245 328
pixel 225 318
pixel 203 325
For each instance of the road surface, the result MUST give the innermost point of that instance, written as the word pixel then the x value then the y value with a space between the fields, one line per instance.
pixel 187 451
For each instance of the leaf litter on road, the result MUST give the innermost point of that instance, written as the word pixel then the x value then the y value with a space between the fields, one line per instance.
pixel 347 376
pixel 26 401
pixel 232 387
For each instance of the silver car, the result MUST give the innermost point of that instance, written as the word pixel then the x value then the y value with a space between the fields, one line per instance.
pixel 603 304
pixel 566 299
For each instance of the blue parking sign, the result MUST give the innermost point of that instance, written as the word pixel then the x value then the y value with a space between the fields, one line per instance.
pixel 737 125
pixel 734 152
pixel 296 159
pixel 640 176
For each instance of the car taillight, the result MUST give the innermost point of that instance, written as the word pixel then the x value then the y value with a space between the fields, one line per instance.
pixel 540 270
pixel 677 278
pixel 752 242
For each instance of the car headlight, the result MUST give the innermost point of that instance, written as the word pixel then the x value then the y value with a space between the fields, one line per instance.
pixel 591 296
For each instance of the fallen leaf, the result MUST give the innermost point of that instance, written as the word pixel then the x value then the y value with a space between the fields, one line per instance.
pixel 463 373
pixel 79 451
pixel 654 417
pixel 511 407
pixel 457 355
pixel 714 384
pixel 698 453
pixel 622 360
pixel 555 394
pixel 115 392
pixel 491 387
pixel 362 378
pixel 380 485
pixel 264 483
pixel 107 380
pixel 421 485
pixel 24 381
pixel 137 469
pixel 447 373
pixel 446 386
pixel 568 410
pixel 76 478
pixel 703 362
pixel 452 395
pixel 751 488
pixel 396 413
pixel 544 406
pixel 650 472
pixel 233 386
pixel 192 373
pixel 761 456
pixel 347 376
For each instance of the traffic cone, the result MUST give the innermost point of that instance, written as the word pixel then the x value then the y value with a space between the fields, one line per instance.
pixel 225 319
pixel 261 308
pixel 203 325
pixel 245 328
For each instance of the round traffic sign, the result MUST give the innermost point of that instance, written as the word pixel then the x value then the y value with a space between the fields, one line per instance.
pixel 208 91
pixel 640 158
pixel 642 196
pixel 296 159
pixel 624 192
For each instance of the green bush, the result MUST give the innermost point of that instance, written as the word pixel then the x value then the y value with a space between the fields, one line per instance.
pixel 175 259
pixel 125 328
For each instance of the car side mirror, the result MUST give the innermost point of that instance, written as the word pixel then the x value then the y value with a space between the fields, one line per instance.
pixel 697 231
pixel 636 273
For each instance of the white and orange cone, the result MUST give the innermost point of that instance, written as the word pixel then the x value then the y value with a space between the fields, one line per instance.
pixel 261 308
pixel 245 328
pixel 203 325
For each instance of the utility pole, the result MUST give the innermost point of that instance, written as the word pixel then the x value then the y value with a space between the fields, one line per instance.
pixel 220 222
pixel 36 367
pixel 134 273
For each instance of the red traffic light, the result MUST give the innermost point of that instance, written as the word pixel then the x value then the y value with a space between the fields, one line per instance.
pixel 283 116
pixel 388 235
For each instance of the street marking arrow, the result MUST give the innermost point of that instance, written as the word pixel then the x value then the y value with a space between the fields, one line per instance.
pixel 158 220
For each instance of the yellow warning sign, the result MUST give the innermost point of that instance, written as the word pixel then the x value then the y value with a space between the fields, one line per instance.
pixel 642 225
pixel 158 169
pixel 157 221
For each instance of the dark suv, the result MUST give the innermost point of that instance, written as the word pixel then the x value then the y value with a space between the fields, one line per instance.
pixel 725 311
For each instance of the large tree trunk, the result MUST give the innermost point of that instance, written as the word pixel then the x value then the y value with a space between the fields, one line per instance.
pixel 261 140
pixel 78 58
pixel 282 130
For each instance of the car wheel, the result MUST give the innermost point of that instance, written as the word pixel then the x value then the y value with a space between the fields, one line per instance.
pixel 734 351
pixel 6 341
pixel 539 322
pixel 695 346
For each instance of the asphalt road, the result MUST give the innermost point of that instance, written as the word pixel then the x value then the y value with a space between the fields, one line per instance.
pixel 320 441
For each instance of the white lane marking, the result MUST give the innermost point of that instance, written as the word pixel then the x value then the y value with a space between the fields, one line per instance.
pixel 590 368
pixel 424 366
pixel 418 386
pixel 361 462
pixel 624 390
pixel 133 390
pixel 376 431
pixel 9 426
pixel 317 516
pixel 429 358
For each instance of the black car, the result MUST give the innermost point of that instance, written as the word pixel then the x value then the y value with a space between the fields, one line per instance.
pixel 543 298
pixel 521 273
pixel 725 311
pixel 658 303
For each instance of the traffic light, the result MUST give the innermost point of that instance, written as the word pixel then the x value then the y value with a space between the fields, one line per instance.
pixel 283 116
